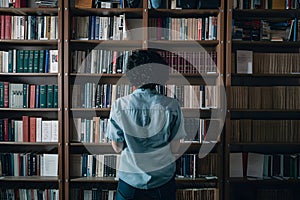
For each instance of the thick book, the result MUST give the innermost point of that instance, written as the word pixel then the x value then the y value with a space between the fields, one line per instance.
pixel 25 120
pixel 32 94
pixel 43 96
pixel 35 61
pixel 32 128
pixel 50 96
pixel 53 64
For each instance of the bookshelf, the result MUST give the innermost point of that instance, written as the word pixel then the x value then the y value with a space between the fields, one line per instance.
pixel 77 78
pixel 33 149
pixel 262 121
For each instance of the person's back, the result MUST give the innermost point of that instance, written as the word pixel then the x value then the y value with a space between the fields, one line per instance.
pixel 146 123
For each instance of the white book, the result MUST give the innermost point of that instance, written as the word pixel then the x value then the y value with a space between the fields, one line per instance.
pixel 53 27
pixel 46 131
pixel 244 61
pixel 54 130
pixel 14 63
pixel 255 165
pixel 50 162
pixel 29 27
pixel 39 27
pixel 89 165
pixel 236 165
pixel 53 67
pixel 19 128
pixel 16 164
pixel 38 129
pixel 5 61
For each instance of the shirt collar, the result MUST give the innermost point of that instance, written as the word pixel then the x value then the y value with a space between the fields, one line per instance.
pixel 142 90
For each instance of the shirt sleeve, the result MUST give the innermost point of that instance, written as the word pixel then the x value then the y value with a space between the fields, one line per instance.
pixel 114 132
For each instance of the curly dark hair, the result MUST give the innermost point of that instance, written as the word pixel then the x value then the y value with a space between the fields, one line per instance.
pixel 146 68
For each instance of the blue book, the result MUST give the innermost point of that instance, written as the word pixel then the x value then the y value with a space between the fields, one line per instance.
pixel 88 130
pixel 84 165
pixel 37 96
pixel 46 61
pixel 97 28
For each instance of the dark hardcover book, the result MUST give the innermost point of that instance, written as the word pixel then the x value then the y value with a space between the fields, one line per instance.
pixel 10 61
pixel 29 165
pixel 33 27
pixel 37 96
pixel 30 61
pixel 1 94
pixel 84 165
pixel 55 96
pixel 42 61
pixel 6 94
pixel 1 130
pixel 43 96
pixel 6 129
pixel 50 95
pixel 20 61
pixel 11 129
pixel 46 61
pixel 36 61
pixel 34 165
pixel 25 95
pixel 26 60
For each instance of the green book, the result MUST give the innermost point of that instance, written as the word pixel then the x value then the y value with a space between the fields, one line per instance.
pixel 41 61
pixel 30 62
pixel 36 61
pixel 43 96
pixel 26 60
pixel 10 61
pixel 20 61
pixel 50 94
pixel 55 96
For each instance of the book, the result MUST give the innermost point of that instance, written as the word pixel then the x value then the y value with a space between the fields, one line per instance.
pixel 50 165
pixel 244 61
pixel 255 165
pixel 25 120
pixel 236 165
pixel 32 129
pixel 43 96
pixel 53 64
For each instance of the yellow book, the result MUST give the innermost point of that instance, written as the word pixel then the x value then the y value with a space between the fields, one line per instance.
pixel 278 4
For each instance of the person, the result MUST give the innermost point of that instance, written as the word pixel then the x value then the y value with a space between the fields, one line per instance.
pixel 146 127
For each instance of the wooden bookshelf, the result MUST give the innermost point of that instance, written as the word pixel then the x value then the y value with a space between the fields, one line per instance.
pixel 143 41
pixel 10 147
pixel 259 118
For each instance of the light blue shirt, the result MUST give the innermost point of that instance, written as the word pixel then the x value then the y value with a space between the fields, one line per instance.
pixel 147 122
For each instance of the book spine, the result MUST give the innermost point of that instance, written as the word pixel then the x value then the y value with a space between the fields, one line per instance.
pixel 25 120
pixel 50 95
pixel 43 96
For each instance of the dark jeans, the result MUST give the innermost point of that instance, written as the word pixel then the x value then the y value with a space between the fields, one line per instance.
pixel 164 192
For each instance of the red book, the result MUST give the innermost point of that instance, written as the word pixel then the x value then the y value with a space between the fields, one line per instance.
pixel 32 96
pixel 25 120
pixel 6 91
pixel 7 22
pixel 2 26
pixel 32 130
pixel 17 4
pixel 6 132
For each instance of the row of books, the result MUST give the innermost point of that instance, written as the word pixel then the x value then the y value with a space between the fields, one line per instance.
pixel 94 130
pixel 28 27
pixel 265 166
pixel 265 4
pixel 249 62
pixel 265 30
pixel 191 62
pixel 29 61
pixel 92 95
pixel 197 194
pixel 29 129
pixel 93 194
pixel 276 97
pixel 99 61
pixel 276 193
pixel 99 28
pixel 181 194
pixel 18 95
pixel 183 28
pixel 104 165
pixel 34 194
pixel 265 131
pixel 28 164
pixel 89 130
pixel 112 62
pixel 190 166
